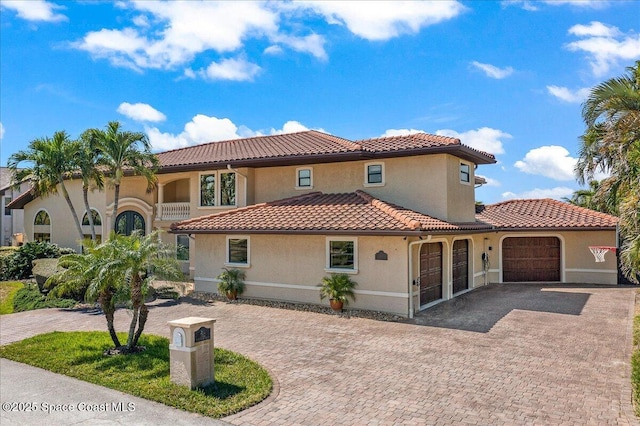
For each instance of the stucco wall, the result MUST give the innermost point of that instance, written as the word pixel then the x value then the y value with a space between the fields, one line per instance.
pixel 289 267
pixel 429 184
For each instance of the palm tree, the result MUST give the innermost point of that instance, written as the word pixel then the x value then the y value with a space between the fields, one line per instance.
pixel 611 143
pixel 119 151
pixel 588 199
pixel 92 178
pixel 51 163
pixel 118 271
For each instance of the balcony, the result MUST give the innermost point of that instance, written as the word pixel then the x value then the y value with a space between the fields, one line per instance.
pixel 173 211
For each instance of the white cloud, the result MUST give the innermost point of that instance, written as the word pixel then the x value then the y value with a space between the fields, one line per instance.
pixel 605 46
pixel 594 29
pixel 493 71
pixel 203 129
pixel 274 49
pixel 551 161
pixel 400 132
pixel 141 112
pixel 566 95
pixel 382 20
pixel 1 131
pixel 313 44
pixel 236 69
pixel 484 139
pixel 533 5
pixel 35 10
pixel 557 193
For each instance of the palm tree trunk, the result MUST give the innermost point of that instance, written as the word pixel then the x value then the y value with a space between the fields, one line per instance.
pixel 109 315
pixel 132 328
pixel 85 197
pixel 115 204
pixel 144 313
pixel 73 210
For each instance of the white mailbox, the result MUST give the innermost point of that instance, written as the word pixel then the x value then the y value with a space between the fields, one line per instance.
pixel 191 351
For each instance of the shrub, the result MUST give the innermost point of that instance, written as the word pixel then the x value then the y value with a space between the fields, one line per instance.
pixel 5 255
pixel 166 292
pixel 29 298
pixel 19 264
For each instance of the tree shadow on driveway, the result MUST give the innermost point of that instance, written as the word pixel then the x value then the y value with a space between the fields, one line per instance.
pixel 481 309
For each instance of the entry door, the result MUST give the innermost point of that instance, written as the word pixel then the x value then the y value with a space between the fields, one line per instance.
pixel 460 265
pixel 430 273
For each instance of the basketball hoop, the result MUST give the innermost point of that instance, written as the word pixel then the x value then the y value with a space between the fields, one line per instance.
pixel 600 251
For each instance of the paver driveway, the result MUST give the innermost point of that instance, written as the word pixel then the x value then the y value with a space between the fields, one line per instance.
pixel 498 355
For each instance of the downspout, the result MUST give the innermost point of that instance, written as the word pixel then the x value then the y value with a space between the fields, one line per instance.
pixel 245 182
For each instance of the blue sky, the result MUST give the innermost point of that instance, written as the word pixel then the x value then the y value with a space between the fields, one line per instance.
pixel 507 77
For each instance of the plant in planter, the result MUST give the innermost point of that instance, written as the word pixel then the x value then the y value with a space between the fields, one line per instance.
pixel 339 289
pixel 231 283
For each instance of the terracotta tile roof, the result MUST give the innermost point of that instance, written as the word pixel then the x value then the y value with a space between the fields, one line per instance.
pixel 543 214
pixel 309 142
pixel 316 212
pixel 310 146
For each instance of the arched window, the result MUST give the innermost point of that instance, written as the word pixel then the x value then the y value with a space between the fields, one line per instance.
pixel 129 221
pixel 97 221
pixel 42 226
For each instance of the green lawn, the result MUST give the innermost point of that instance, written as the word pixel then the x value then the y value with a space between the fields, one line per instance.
pixel 239 382
pixel 8 290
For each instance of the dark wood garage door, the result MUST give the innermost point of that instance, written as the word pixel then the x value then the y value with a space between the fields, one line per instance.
pixel 460 265
pixel 526 259
pixel 430 273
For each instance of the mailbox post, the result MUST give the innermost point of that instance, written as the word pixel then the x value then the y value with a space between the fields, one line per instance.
pixel 191 351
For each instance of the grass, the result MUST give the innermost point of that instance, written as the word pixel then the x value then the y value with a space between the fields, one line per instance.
pixel 635 359
pixel 8 290
pixel 239 382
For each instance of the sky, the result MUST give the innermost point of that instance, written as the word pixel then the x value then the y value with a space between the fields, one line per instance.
pixel 506 77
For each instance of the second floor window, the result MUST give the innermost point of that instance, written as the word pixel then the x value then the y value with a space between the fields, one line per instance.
pixel 7 212
pixel 374 174
pixel 465 174
pixel 304 178
pixel 217 189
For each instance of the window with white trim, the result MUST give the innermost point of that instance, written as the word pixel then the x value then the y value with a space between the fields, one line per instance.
pixel 304 178
pixel 374 174
pixel 218 189
pixel 42 226
pixel 465 173
pixel 182 247
pixel 342 254
pixel 237 251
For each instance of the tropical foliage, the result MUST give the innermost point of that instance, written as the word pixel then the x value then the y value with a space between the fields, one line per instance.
pixel 338 287
pixel 231 282
pixel 49 162
pixel 118 271
pixel 611 144
pixel 119 151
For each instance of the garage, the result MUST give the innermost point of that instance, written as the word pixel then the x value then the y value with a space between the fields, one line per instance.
pixel 531 259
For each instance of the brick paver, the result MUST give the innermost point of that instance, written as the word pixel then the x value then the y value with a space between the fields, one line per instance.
pixel 523 354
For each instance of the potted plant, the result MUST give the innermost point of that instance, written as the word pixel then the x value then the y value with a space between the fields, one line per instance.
pixel 339 289
pixel 231 283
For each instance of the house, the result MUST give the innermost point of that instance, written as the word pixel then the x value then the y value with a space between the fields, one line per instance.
pixel 397 213
pixel 12 221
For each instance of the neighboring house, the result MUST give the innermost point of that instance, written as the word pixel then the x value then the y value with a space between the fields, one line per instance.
pixel 397 213
pixel 12 223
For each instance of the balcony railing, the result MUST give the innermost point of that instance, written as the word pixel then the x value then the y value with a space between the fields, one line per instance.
pixel 173 211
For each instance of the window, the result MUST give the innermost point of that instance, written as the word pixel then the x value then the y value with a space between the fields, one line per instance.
pixel 374 174
pixel 238 251
pixel 7 212
pixel 42 226
pixel 42 236
pixel 465 174
pixel 182 247
pixel 304 178
pixel 342 254
pixel 42 218
pixel 97 221
pixel 218 189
